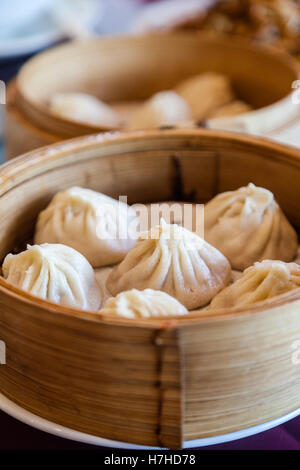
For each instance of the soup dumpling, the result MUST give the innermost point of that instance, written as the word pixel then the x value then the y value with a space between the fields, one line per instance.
pixel 247 225
pixel 260 282
pixel 205 92
pixel 164 108
pixel 90 222
pixel 84 108
pixel 174 260
pixel 231 109
pixel 56 273
pixel 147 303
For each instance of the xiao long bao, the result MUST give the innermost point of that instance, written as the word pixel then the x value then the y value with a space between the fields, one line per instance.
pixel 260 282
pixel 84 108
pixel 176 261
pixel 166 270
pixel 205 93
pixel 200 97
pixel 164 108
pixel 90 222
pixel 56 273
pixel 147 303
pixel 231 109
pixel 247 225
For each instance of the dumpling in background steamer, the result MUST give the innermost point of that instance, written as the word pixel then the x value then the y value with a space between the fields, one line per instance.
pixel 94 224
pixel 205 92
pixel 164 108
pixel 147 303
pixel 260 282
pixel 84 108
pixel 176 261
pixel 56 273
pixel 231 109
pixel 247 225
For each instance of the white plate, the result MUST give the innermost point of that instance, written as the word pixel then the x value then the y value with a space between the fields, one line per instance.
pixel 42 424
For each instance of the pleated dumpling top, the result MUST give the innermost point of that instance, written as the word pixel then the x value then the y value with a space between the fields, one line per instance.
pixel 147 303
pixel 92 223
pixel 247 225
pixel 262 281
pixel 56 273
pixel 174 260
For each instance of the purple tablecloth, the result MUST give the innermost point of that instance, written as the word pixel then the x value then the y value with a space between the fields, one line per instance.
pixel 15 435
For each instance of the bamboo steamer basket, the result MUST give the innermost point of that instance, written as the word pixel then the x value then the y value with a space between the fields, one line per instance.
pixel 153 382
pixel 125 69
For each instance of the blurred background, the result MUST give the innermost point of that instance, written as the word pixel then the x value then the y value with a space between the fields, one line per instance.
pixel 28 27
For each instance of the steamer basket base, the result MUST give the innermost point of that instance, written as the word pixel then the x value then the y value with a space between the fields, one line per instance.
pixel 44 425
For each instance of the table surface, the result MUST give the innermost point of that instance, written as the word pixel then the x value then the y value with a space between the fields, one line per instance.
pixel 21 436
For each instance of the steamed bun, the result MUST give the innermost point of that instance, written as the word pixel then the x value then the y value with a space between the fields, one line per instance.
pixel 176 261
pixel 94 224
pixel 260 282
pixel 84 108
pixel 56 273
pixel 143 304
pixel 164 108
pixel 247 225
